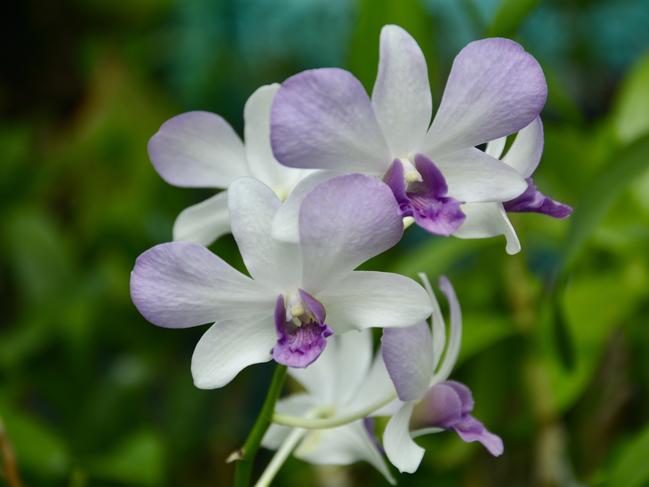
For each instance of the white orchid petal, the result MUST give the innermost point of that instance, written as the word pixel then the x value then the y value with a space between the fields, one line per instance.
pixel 227 348
pixel 525 153
pixel 182 284
pixel 401 96
pixel 496 147
pixel 485 220
pixel 473 176
pixel 261 162
pixel 401 450
pixel 374 299
pixel 253 206
pixel 198 150
pixel 342 446
pixel 204 222
pixel 343 222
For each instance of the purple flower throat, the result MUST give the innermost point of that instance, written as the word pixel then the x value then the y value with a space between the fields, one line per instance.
pixel 426 199
pixel 301 330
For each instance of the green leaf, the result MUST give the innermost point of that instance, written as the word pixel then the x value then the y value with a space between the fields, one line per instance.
pixel 137 460
pixel 631 113
pixel 631 468
pixel 624 167
pixel 480 331
pixel 435 256
pixel 38 449
pixel 509 17
pixel 593 306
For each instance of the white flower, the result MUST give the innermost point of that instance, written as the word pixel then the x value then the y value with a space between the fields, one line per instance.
pixel 345 379
pixel 280 312
pixel 200 150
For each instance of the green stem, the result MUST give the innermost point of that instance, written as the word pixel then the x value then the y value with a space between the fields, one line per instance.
pixel 245 457
pixel 10 469
pixel 280 457
pixel 326 423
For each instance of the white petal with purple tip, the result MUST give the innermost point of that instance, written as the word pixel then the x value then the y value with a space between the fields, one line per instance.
pixel 229 347
pixel 401 95
pixel 198 150
pixel 494 89
pixel 182 284
pixel 366 299
pixel 323 119
pixel 204 222
pixel 408 356
pixel 343 222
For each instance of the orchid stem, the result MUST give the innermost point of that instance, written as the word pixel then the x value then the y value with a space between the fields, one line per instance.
pixel 280 457
pixel 325 423
pixel 8 459
pixel 245 457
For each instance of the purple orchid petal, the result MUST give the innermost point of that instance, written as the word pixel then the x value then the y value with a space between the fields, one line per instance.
pixel 449 405
pixel 532 200
pixel 323 119
pixel 300 345
pixel 441 407
pixel 432 178
pixel 343 222
pixel 313 306
pixel 426 200
pixel 495 88
pixel 408 356
pixel 370 427
pixel 394 178
pixel 198 150
pixel 464 393
pixel 470 429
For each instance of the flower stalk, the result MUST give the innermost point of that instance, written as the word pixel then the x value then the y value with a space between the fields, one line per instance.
pixel 326 423
pixel 245 456
pixel 9 468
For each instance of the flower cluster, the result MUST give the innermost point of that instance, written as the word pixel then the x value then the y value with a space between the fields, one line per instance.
pixel 328 178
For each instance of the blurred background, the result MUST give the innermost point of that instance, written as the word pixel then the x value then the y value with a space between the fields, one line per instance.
pixel 556 337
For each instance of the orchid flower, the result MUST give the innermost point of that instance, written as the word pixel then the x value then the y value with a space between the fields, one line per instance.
pixel 344 380
pixel 200 150
pixel 490 219
pixel 323 119
pixel 299 293
pixel 429 402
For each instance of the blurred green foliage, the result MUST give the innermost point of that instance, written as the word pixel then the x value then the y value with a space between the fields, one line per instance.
pixel 555 338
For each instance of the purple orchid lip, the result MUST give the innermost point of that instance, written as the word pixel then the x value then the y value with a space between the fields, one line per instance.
pixel 425 200
pixel 532 200
pixel 300 344
pixel 449 405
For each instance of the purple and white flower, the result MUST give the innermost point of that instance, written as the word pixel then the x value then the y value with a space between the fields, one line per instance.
pixel 324 119
pixel 201 150
pixel 345 379
pixel 490 219
pixel 299 292
pixel 429 402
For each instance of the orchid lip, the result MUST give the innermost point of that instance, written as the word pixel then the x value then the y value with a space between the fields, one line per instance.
pixel 448 405
pixel 301 330
pixel 532 200
pixel 421 193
